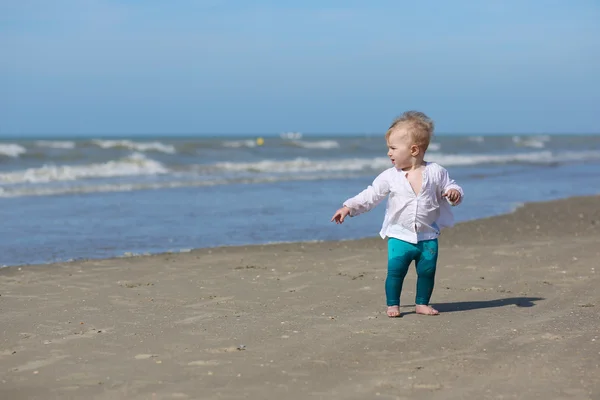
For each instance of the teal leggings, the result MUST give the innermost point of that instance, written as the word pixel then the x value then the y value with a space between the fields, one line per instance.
pixel 400 255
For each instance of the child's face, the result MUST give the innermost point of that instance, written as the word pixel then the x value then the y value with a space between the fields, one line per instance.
pixel 401 149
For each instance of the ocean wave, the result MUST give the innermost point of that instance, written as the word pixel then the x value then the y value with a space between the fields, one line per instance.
pixel 290 135
pixel 434 147
pixel 476 139
pixel 541 157
pixel 135 164
pixel 55 144
pixel 303 165
pixel 24 191
pixel 537 142
pixel 12 150
pixel 136 146
pixel 47 180
pixel 321 144
pixel 239 143
pixel 378 163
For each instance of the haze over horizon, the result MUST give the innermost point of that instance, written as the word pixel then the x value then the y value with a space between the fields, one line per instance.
pixel 94 68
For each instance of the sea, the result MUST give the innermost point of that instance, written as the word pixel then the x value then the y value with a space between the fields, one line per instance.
pixel 65 199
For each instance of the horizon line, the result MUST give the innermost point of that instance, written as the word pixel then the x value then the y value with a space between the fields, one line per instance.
pixel 31 135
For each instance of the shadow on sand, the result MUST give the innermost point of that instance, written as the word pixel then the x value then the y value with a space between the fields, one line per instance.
pixel 474 305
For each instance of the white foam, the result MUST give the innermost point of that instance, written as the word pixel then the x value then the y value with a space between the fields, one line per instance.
pixel 476 139
pixel 135 164
pixel 21 191
pixel 136 146
pixel 477 159
pixel 239 143
pixel 11 150
pixel 299 165
pixel 291 135
pixel 321 144
pixel 540 157
pixel 537 142
pixel 80 189
pixel 55 144
pixel 40 181
pixel 306 165
pixel 434 147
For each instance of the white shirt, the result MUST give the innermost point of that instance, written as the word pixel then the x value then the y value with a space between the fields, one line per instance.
pixel 408 216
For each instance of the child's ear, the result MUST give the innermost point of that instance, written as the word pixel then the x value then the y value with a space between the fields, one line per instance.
pixel 414 150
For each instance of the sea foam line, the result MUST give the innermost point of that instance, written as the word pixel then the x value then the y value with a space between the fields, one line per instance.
pixel 25 191
pixel 12 150
pixel 135 164
pixel 319 144
pixel 379 163
pixel 17 183
pixel 137 146
pixel 55 144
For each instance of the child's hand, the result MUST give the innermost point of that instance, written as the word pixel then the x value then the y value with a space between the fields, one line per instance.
pixel 340 214
pixel 453 195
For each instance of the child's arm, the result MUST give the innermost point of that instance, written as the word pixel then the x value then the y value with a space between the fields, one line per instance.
pixel 450 189
pixel 365 200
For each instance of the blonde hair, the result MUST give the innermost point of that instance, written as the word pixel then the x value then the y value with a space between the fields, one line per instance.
pixel 418 125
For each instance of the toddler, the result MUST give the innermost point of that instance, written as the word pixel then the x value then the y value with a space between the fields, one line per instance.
pixel 420 194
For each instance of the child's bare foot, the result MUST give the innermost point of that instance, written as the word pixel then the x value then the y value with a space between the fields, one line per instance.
pixel 393 311
pixel 424 309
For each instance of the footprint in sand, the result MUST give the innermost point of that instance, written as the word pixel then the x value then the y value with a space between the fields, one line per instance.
pixel 203 363
pixel 291 276
pixel 39 363
pixel 145 356
pixel 222 350
pixel 194 319
pixel 296 289
pixel 212 299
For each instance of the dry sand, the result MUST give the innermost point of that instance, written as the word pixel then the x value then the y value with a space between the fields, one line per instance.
pixel 519 296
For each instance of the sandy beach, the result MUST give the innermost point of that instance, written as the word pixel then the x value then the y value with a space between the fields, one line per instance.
pixel 519 296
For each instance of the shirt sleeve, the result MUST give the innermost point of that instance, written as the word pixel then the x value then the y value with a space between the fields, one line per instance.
pixel 447 183
pixel 370 197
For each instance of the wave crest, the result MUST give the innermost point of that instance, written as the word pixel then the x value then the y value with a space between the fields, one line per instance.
pixel 55 144
pixel 12 150
pixel 136 146
pixel 321 144
pixel 135 164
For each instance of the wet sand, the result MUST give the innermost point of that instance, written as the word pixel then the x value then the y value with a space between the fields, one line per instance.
pixel 519 296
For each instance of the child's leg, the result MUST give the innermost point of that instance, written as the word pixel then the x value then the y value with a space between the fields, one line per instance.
pixel 426 262
pixel 400 255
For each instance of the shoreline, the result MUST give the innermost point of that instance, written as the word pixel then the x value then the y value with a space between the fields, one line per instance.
pixel 518 296
pixel 128 255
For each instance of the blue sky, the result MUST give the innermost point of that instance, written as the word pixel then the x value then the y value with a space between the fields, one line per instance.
pixel 89 67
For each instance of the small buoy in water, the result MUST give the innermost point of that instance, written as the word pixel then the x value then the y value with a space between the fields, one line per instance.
pixel 260 141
